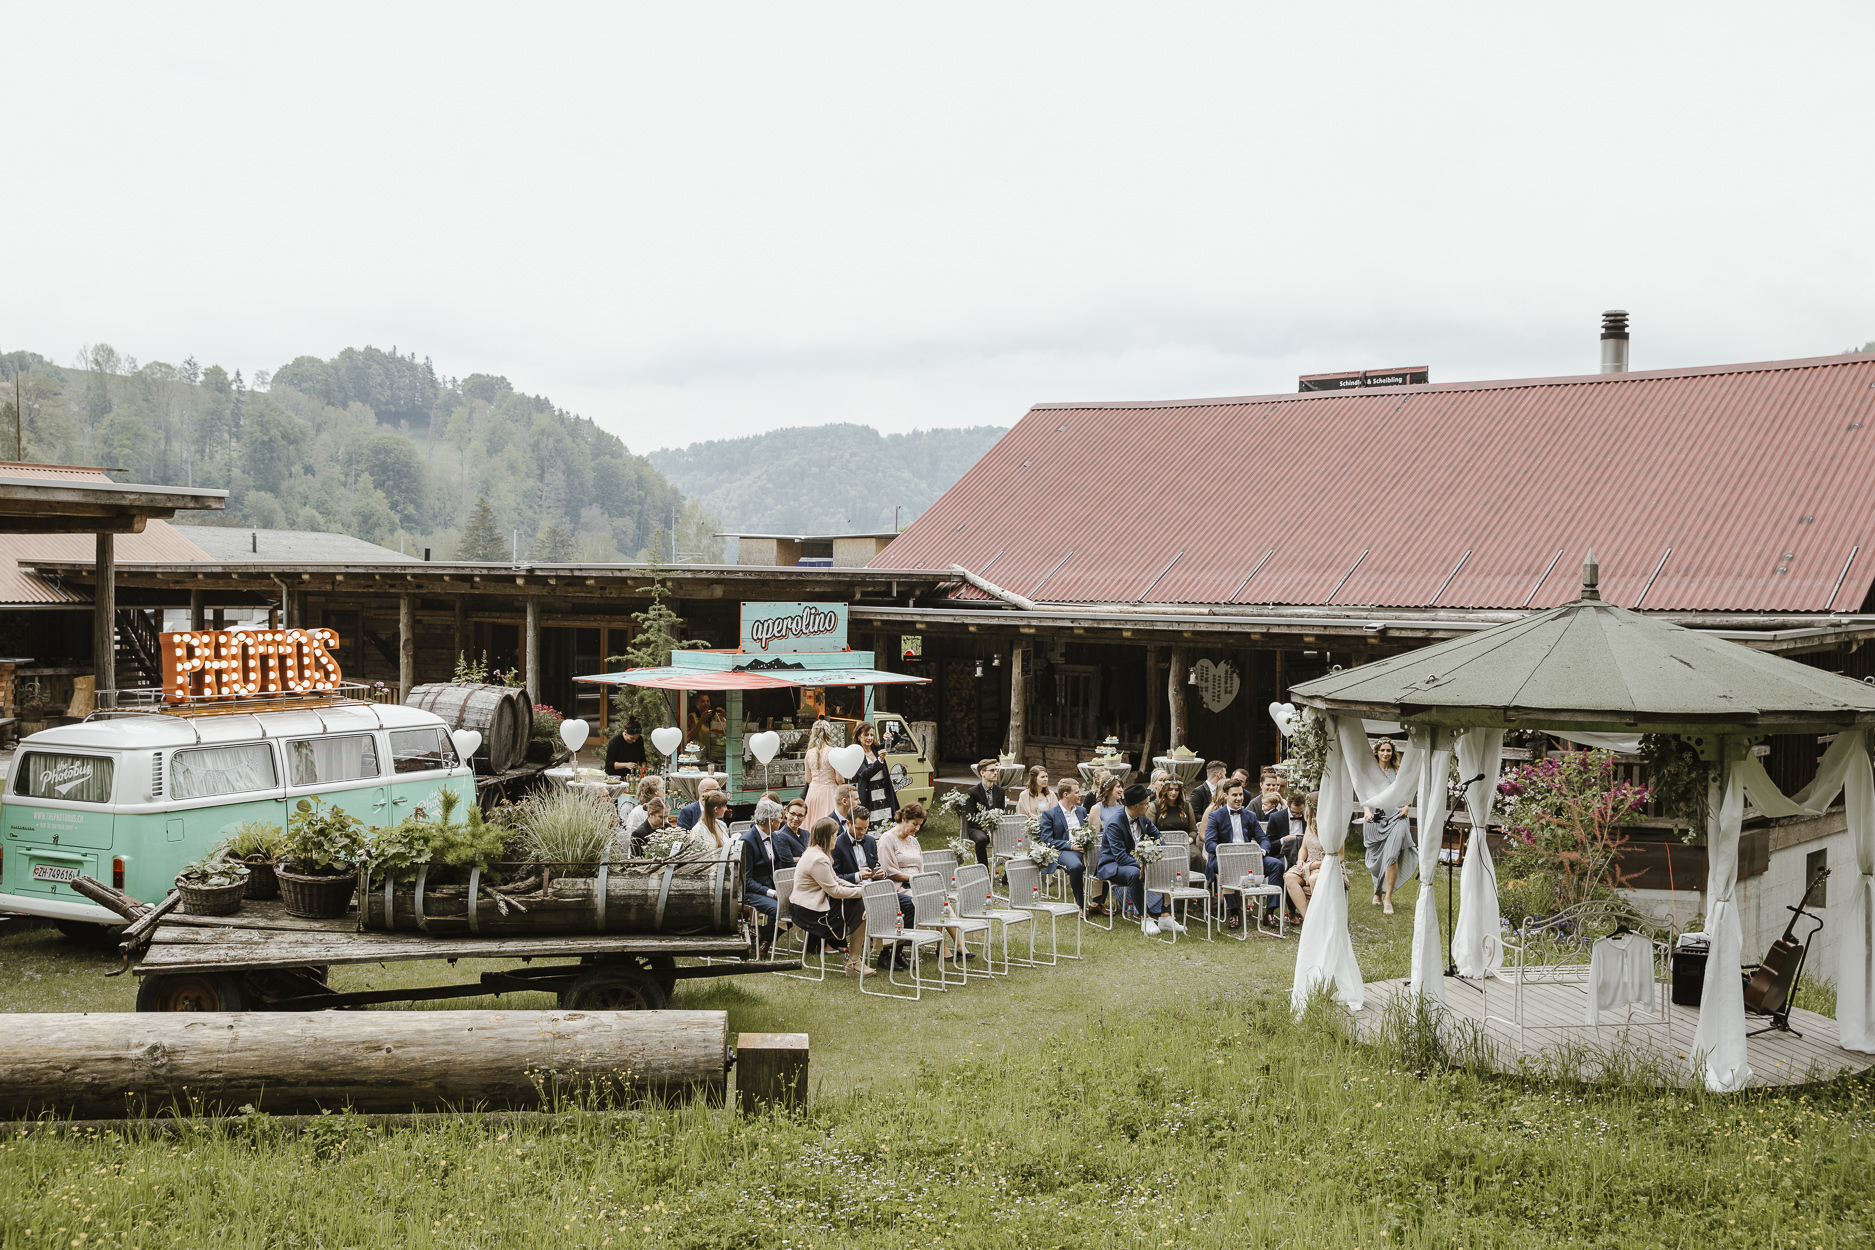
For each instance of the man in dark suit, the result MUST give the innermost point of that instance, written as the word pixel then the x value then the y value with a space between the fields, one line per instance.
pixel 1272 812
pixel 791 838
pixel 1236 823
pixel 1206 790
pixel 1118 837
pixel 1054 828
pixel 981 797
pixel 761 855
pixel 855 851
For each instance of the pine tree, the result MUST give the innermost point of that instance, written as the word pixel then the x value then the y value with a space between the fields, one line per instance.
pixel 658 633
pixel 553 545
pixel 482 538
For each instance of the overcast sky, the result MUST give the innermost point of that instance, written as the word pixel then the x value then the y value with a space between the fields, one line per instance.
pixel 691 221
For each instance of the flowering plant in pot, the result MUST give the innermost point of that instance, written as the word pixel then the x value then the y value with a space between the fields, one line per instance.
pixel 258 844
pixel 544 735
pixel 212 885
pixel 324 845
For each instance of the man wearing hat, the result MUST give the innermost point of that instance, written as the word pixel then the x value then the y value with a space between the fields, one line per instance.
pixel 1118 836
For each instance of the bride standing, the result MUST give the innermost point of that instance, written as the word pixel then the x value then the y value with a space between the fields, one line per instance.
pixel 1392 859
pixel 822 781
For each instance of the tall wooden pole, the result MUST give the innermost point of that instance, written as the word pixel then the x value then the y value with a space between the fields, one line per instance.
pixel 1018 703
pixel 461 647
pixel 531 645
pixel 104 615
pixel 198 610
pixel 1152 709
pixel 1175 699
pixel 406 646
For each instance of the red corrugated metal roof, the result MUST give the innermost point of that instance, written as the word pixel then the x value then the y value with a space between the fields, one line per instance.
pixel 1750 481
pixel 159 542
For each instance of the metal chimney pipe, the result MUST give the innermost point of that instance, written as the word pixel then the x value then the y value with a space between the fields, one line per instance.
pixel 1615 341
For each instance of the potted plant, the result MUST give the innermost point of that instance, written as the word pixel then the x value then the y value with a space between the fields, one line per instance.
pixel 212 885
pixel 259 845
pixel 33 703
pixel 543 742
pixel 319 870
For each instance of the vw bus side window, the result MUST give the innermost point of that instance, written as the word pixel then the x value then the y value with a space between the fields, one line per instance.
pixel 322 761
pixel 222 770
pixel 74 778
pixel 421 750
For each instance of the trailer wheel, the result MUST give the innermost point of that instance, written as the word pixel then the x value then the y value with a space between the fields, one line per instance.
pixel 84 933
pixel 660 968
pixel 190 991
pixel 613 989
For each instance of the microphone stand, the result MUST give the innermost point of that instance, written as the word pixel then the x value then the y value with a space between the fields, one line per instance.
pixel 1451 870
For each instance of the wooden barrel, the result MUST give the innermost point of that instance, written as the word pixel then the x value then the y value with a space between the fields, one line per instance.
pixel 118 1063
pixel 501 714
pixel 700 894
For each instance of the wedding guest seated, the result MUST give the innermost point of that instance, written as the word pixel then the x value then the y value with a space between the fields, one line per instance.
pixel 648 788
pixel 760 857
pixel 1204 796
pixel 1117 866
pixel 654 816
pixel 856 851
pixel 1300 880
pixel 982 797
pixel 901 858
pixel 1058 824
pixel 791 838
pixel 1230 824
pixel 826 908
pixel 690 813
pixel 845 799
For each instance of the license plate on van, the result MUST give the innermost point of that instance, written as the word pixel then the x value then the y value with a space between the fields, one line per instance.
pixel 52 872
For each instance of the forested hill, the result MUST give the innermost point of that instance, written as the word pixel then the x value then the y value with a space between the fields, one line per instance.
pixel 370 443
pixel 826 479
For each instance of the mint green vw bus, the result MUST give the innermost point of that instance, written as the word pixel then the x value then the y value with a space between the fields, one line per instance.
pixel 131 798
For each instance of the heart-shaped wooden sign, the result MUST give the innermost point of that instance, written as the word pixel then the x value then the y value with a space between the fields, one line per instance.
pixel 1218 684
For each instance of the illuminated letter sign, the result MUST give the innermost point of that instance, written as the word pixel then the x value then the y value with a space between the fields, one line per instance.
pixel 248 663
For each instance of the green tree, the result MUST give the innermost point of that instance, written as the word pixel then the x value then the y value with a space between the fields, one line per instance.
pixel 372 519
pixel 553 545
pixel 658 632
pixel 482 538
pixel 392 462
pixel 274 443
pixel 123 442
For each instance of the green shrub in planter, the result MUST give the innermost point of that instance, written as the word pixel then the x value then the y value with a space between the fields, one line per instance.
pixel 322 840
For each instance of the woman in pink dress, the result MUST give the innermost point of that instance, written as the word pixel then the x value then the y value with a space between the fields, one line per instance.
pixel 822 781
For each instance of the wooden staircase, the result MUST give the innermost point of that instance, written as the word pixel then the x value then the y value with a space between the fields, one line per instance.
pixel 139 650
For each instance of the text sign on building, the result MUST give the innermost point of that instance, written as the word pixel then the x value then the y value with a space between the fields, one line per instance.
pixel 248 663
pixel 1412 375
pixel 773 627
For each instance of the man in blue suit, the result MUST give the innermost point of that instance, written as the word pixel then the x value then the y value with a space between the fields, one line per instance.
pixel 690 813
pixel 761 855
pixel 1056 823
pixel 1235 823
pixel 1117 866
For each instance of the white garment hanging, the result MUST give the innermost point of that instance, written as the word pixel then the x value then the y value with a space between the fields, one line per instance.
pixel 1435 767
pixel 1621 973
pixel 1477 938
pixel 1324 952
pixel 1719 1038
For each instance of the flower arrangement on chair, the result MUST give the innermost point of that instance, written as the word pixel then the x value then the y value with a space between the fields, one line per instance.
pixel 1149 851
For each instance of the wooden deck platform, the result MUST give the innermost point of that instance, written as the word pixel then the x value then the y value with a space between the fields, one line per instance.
pixel 1776 1058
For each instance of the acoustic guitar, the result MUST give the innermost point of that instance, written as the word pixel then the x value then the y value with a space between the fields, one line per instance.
pixel 1769 988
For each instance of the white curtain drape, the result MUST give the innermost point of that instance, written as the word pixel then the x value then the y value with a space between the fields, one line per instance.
pixel 1477 937
pixel 221 770
pixel 1325 952
pixel 1845 770
pixel 1719 1039
pixel 1627 744
pixel 1428 956
pixel 1370 781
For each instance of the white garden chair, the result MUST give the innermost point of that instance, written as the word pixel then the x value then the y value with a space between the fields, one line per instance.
pixel 1025 894
pixel 974 902
pixel 929 892
pixel 784 923
pixel 1009 839
pixel 1235 861
pixel 885 924
pixel 944 863
pixel 1170 879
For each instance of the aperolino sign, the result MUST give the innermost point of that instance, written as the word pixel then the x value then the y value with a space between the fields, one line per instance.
pixel 783 627
pixel 248 663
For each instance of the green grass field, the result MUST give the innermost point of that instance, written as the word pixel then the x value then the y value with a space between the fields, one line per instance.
pixel 1151 1096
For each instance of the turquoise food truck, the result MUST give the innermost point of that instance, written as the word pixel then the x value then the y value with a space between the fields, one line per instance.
pixel 130 797
pixel 793 668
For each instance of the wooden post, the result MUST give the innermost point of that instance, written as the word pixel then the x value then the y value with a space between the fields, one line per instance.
pixel 1175 700
pixel 1018 702
pixel 461 646
pixel 406 646
pixel 198 610
pixel 1152 710
pixel 530 647
pixel 771 1068
pixel 104 616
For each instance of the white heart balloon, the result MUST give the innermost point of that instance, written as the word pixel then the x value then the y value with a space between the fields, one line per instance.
pixel 1276 714
pixel 667 739
pixel 847 759
pixel 764 746
pixel 574 733
pixel 468 742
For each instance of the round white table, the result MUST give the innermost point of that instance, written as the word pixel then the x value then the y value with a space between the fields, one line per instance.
pixel 1184 767
pixel 1091 769
pixel 1010 774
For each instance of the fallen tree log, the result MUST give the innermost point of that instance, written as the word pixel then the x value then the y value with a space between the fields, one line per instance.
pixel 105 1065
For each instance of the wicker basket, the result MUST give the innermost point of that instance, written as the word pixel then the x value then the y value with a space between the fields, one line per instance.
pixel 316 898
pixel 211 900
pixel 261 881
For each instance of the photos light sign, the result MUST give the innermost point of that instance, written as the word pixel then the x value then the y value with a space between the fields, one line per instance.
pixel 248 663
